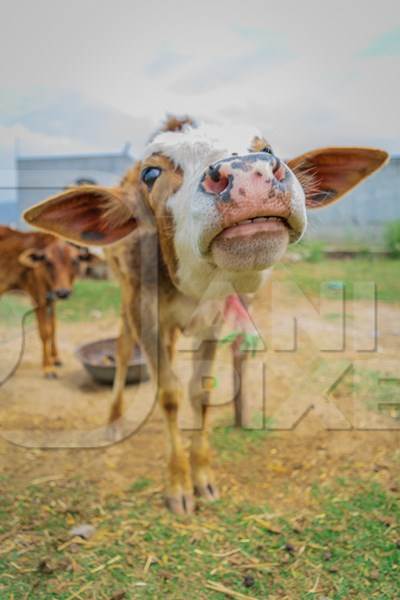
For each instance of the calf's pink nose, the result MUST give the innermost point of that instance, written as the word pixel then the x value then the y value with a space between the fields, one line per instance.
pixel 254 177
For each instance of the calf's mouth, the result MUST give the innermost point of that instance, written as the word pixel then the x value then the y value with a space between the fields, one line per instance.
pixel 266 224
pixel 253 243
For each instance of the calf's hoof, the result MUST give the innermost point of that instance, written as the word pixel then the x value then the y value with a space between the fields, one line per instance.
pixel 204 483
pixel 58 362
pixel 181 503
pixel 208 491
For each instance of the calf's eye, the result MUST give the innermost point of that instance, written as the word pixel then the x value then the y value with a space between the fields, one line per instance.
pixel 150 175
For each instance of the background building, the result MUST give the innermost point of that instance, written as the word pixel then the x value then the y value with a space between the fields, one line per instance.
pixel 360 218
pixel 41 176
pixel 9 214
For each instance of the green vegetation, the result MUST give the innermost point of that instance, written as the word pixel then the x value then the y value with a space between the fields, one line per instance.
pixel 96 298
pixel 230 442
pixel 12 308
pixel 392 238
pixel 383 272
pixel 103 296
pixel 380 392
pixel 346 546
pixel 90 297
pixel 312 250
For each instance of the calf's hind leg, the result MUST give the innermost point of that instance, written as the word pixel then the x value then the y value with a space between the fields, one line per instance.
pixel 125 343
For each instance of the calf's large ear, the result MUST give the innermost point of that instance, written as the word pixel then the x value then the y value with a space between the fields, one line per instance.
pixel 87 215
pixel 327 174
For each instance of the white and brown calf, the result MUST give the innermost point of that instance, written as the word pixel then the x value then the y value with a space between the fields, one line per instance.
pixel 205 212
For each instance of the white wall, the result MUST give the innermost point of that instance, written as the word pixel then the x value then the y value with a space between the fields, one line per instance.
pixel 38 178
pixel 361 216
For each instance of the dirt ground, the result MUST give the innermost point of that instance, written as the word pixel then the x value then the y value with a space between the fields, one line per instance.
pixel 344 437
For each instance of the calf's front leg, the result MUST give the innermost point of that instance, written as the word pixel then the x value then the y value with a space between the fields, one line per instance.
pixel 179 492
pixel 54 350
pixel 45 332
pixel 200 456
pixel 157 347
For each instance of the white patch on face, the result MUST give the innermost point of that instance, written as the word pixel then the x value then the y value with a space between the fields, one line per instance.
pixel 195 212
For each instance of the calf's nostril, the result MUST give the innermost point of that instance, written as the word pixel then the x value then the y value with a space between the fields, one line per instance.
pixel 279 170
pixel 215 185
pixel 63 293
pixel 214 173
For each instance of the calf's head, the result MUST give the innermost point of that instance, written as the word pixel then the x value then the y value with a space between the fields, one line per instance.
pixel 226 207
pixel 56 265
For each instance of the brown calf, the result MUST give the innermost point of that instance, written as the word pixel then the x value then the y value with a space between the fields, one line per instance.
pixel 45 268
pixel 205 213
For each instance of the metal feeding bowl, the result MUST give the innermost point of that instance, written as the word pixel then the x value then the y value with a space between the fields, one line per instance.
pixel 99 359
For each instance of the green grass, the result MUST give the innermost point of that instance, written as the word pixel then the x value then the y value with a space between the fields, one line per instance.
pixel 93 296
pixel 90 297
pixel 392 238
pixel 383 272
pixel 96 298
pixel 379 392
pixel 12 309
pixel 231 442
pixel 347 547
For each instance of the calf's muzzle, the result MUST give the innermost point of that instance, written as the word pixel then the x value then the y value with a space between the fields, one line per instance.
pixel 63 293
pixel 254 178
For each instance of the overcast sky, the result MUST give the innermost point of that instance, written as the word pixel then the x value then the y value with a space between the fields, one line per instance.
pixel 308 73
